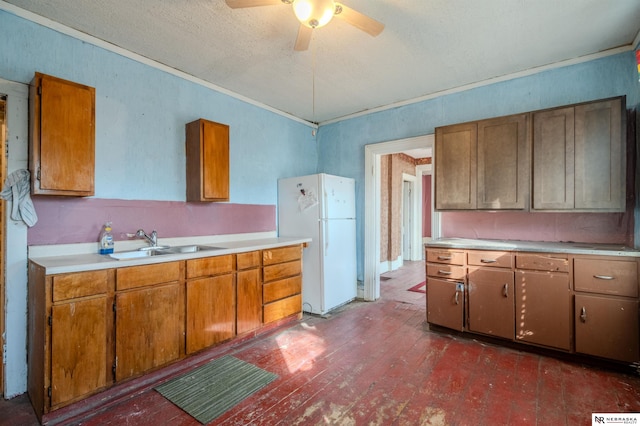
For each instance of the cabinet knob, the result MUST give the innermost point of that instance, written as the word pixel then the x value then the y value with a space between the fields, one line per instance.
pixel 583 314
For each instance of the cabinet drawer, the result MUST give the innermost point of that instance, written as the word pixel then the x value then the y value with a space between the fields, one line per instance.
pixel 495 259
pixel 445 256
pixel 247 260
pixel 280 289
pixel 453 272
pixel 282 308
pixel 140 276
pixel 282 270
pixel 618 277
pixel 81 284
pixel 543 262
pixel 208 266
pixel 279 255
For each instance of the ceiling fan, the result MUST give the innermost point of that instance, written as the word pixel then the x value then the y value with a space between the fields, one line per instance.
pixel 315 14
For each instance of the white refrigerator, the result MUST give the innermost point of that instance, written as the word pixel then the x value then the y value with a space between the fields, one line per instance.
pixel 322 207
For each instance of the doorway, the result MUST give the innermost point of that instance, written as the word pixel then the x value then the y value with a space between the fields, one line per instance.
pixel 408 228
pixel 373 153
pixel 3 173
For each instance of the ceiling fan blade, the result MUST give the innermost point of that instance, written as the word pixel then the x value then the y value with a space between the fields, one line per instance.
pixel 304 38
pixel 238 4
pixel 358 20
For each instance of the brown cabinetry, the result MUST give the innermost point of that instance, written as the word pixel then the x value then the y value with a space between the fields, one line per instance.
pixel 606 307
pixel 62 137
pixel 149 317
pixel 207 151
pixel 579 160
pixel 445 288
pixel 211 302
pixel 249 292
pixel 483 165
pixel 543 300
pixel 282 283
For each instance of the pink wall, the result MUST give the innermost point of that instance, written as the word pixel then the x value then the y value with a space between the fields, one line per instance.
pixel 608 228
pixel 63 220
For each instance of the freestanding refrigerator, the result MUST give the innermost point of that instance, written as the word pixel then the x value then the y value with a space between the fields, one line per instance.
pixel 322 207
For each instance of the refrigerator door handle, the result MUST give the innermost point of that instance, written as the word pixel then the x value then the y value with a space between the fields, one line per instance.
pixel 326 236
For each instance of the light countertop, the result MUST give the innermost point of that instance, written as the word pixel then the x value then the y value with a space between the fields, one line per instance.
pixel 535 246
pixel 90 261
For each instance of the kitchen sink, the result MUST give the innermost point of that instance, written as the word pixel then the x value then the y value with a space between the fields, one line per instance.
pixel 137 254
pixel 160 251
pixel 192 249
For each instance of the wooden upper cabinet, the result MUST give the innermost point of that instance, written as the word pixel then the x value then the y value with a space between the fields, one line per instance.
pixel 579 157
pixel 455 167
pixel 503 163
pixel 207 149
pixel 483 164
pixel 62 137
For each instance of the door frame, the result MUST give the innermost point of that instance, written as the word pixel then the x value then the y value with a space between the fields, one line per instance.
pixel 373 152
pixel 409 216
pixel 3 232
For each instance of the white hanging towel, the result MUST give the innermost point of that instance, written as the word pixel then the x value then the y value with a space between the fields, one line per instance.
pixel 16 188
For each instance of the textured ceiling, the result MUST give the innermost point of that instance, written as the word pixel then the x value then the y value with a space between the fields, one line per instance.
pixel 427 46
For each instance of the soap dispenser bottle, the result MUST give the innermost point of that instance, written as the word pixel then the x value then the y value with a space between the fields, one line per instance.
pixel 106 239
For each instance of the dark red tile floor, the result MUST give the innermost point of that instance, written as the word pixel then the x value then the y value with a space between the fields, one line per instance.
pixel 378 364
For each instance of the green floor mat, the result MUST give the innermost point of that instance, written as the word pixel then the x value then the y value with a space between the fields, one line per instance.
pixel 209 391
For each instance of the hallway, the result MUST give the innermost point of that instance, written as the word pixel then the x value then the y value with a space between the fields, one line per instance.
pixel 376 363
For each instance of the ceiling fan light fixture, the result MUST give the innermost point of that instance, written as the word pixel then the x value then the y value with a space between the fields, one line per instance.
pixel 314 13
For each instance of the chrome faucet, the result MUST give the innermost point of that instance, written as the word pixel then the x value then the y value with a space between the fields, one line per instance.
pixel 151 239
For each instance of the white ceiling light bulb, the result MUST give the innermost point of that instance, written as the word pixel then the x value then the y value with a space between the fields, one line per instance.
pixel 314 13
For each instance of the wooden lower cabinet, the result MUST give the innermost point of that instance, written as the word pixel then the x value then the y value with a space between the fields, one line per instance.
pixel 491 302
pixel 249 308
pixel 282 283
pixel 445 303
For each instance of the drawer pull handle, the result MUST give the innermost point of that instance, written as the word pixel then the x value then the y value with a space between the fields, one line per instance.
pixel 441 272
pixel 457 296
pixel 603 277
pixel 505 290
pixel 583 314
pixel 488 260
pixel 444 257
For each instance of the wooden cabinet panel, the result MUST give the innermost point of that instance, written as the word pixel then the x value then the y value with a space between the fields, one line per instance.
pixel 211 311
pixel 140 276
pixel 71 286
pixel 249 300
pixel 148 329
pixel 283 288
pixel 453 272
pixel 493 259
pixel 282 308
pixel 79 338
pixel 607 327
pixel 62 137
pixel 207 152
pixel 248 260
pixel 445 303
pixel 281 270
pixel 543 262
pixel 491 302
pixel 503 163
pixel 455 166
pixel 446 256
pixel 208 266
pixel 606 276
pixel 280 255
pixel 600 164
pixel 543 309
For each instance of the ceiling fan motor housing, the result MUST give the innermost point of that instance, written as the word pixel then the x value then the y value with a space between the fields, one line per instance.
pixel 314 13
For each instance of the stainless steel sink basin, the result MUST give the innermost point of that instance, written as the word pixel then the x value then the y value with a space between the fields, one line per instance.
pixel 161 250
pixel 192 249
pixel 137 254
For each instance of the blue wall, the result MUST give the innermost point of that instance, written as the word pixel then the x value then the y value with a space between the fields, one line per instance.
pixel 141 112
pixel 342 144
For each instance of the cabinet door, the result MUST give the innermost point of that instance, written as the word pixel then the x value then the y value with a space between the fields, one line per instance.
pixel 249 289
pixel 607 327
pixel 79 336
pixel 553 159
pixel 62 154
pixel 207 154
pixel 210 311
pixel 491 302
pixel 445 303
pixel 455 167
pixel 148 330
pixel 503 163
pixel 543 309
pixel 600 166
